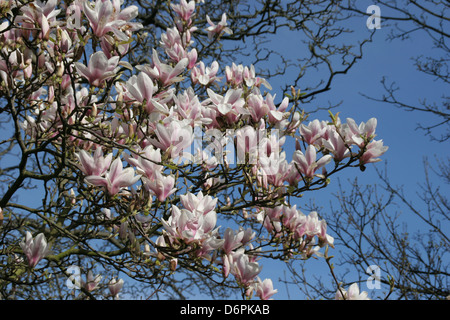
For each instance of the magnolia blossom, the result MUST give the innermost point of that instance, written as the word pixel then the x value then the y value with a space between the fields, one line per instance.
pixel 141 89
pixel 264 289
pixel 164 73
pixel 337 146
pixel 205 75
pixel 244 268
pixel 307 163
pixel 114 287
pixel 106 16
pixel 352 293
pixel 198 203
pixel 373 151
pixel 95 165
pixel 41 13
pixel 313 132
pixel 115 179
pixel 173 137
pixel 190 226
pixel 91 282
pixel 161 186
pixel 217 29
pixel 363 132
pixel 277 114
pixel 184 10
pixel 147 163
pixel 99 68
pixel 35 249
pixel 231 102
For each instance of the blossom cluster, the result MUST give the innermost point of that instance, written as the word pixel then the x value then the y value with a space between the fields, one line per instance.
pixel 127 138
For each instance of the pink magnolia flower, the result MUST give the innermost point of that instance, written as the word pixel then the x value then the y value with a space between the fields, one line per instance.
pixel 173 137
pixel 141 89
pixel 243 268
pixel 233 240
pixel 35 249
pixel 115 179
pixel 188 106
pixel 257 107
pixel 190 226
pixel 230 105
pixel 107 16
pixel 247 142
pixel 264 289
pixel 352 293
pixel 205 75
pixel 91 282
pixel 198 203
pixel 161 186
pixel 336 145
pixel 95 165
pixel 217 29
pixel 363 132
pixel 99 68
pixel 164 73
pixel 114 287
pixel 307 162
pixel 176 47
pixel 313 132
pixel 277 114
pixel 184 10
pixel 147 163
pixel 41 13
pixel 373 151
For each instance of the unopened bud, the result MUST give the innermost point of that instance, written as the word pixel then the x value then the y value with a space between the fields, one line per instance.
pixel 173 264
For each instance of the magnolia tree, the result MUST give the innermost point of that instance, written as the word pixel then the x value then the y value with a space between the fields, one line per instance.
pixel 152 173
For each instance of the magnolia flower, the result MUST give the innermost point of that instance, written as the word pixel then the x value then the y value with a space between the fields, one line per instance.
pixel 337 146
pixel 313 132
pixel 173 137
pixel 307 162
pixel 232 101
pixel 264 289
pixel 257 107
pixel 243 268
pixel 217 29
pixel 184 9
pixel 106 16
pixel 205 75
pixel 352 294
pixel 277 114
pixel 91 282
pixel 147 162
pixel 141 89
pixel 95 165
pixel 161 186
pixel 35 249
pixel 363 132
pixel 162 72
pixel 232 239
pixel 114 287
pixel 190 226
pixel 115 179
pixel 373 151
pixel 198 203
pixel 247 142
pixel 99 68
